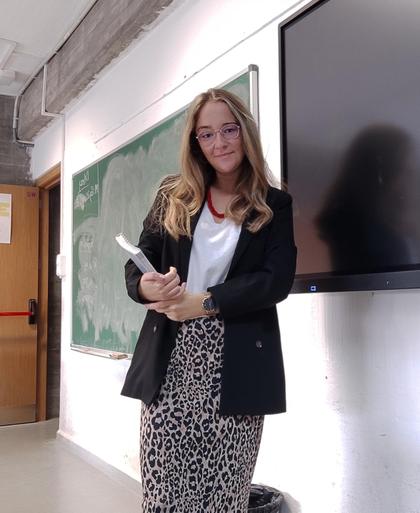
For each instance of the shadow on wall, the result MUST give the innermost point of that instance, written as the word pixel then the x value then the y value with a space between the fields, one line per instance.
pixel 368 217
pixel 290 505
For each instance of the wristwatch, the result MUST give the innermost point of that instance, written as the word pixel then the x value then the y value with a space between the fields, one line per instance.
pixel 209 305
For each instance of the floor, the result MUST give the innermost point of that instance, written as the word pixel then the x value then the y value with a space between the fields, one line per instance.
pixel 42 474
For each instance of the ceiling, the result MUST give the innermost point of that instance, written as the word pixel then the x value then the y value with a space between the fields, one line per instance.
pixel 30 32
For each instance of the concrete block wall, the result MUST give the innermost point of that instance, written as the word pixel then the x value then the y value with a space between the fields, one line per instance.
pixel 14 158
pixel 107 30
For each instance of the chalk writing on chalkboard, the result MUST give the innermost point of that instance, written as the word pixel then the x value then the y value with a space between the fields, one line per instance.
pixel 86 202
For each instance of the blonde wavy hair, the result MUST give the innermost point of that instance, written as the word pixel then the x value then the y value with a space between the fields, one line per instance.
pixel 181 196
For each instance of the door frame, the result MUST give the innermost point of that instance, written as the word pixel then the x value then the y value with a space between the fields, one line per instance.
pixel 47 181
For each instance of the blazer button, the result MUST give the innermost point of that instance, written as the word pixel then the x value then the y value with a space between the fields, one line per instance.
pixel 154 328
pixel 259 344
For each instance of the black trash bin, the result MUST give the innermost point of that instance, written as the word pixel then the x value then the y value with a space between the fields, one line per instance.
pixel 263 499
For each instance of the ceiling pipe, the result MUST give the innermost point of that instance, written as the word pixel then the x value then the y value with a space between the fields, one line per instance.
pixel 32 78
pixel 44 111
pixel 58 47
pixel 15 124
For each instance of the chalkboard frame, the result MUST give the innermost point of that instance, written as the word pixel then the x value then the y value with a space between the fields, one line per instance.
pixel 252 73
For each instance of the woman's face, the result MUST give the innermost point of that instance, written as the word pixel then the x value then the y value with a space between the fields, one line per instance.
pixel 224 155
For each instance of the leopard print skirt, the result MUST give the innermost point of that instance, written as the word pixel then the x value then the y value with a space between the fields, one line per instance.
pixel 192 459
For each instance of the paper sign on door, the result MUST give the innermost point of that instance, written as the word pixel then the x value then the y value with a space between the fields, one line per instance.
pixel 5 218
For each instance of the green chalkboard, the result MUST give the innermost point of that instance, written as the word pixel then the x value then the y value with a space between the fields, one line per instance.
pixel 111 196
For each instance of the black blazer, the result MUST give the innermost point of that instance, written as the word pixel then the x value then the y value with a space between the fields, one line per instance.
pixel 260 275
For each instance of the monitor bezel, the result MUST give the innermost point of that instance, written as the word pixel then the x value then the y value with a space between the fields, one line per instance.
pixel 328 281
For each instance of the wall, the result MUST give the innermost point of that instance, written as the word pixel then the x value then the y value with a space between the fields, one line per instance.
pixel 350 440
pixel 14 159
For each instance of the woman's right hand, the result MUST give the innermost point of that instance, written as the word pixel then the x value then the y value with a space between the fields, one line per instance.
pixel 159 287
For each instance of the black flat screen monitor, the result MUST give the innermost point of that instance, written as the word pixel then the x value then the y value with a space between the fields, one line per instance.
pixel 350 143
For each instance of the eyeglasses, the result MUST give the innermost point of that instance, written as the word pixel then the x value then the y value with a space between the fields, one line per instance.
pixel 228 132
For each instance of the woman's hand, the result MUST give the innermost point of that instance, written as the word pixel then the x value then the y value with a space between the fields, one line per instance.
pixel 159 287
pixel 184 306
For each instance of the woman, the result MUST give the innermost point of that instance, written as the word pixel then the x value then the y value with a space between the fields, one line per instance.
pixel 208 364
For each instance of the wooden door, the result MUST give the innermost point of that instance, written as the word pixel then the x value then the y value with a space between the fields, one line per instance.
pixel 19 284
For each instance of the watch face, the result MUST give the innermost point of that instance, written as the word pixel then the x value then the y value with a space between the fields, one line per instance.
pixel 208 304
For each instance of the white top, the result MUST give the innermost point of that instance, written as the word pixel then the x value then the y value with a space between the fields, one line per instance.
pixel 212 251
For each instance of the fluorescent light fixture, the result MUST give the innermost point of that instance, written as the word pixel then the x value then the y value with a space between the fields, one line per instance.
pixel 6 49
pixel 7 77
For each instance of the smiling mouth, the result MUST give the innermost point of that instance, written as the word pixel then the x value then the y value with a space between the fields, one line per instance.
pixel 223 155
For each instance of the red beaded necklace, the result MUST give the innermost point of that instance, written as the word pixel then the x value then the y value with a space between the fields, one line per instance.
pixel 211 207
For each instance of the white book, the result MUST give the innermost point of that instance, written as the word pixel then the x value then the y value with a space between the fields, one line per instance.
pixel 136 254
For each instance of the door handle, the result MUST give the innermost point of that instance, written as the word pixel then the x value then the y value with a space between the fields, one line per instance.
pixel 31 314
pixel 32 307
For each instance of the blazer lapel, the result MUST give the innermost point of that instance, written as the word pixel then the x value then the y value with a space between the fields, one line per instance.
pixel 245 237
pixel 184 247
